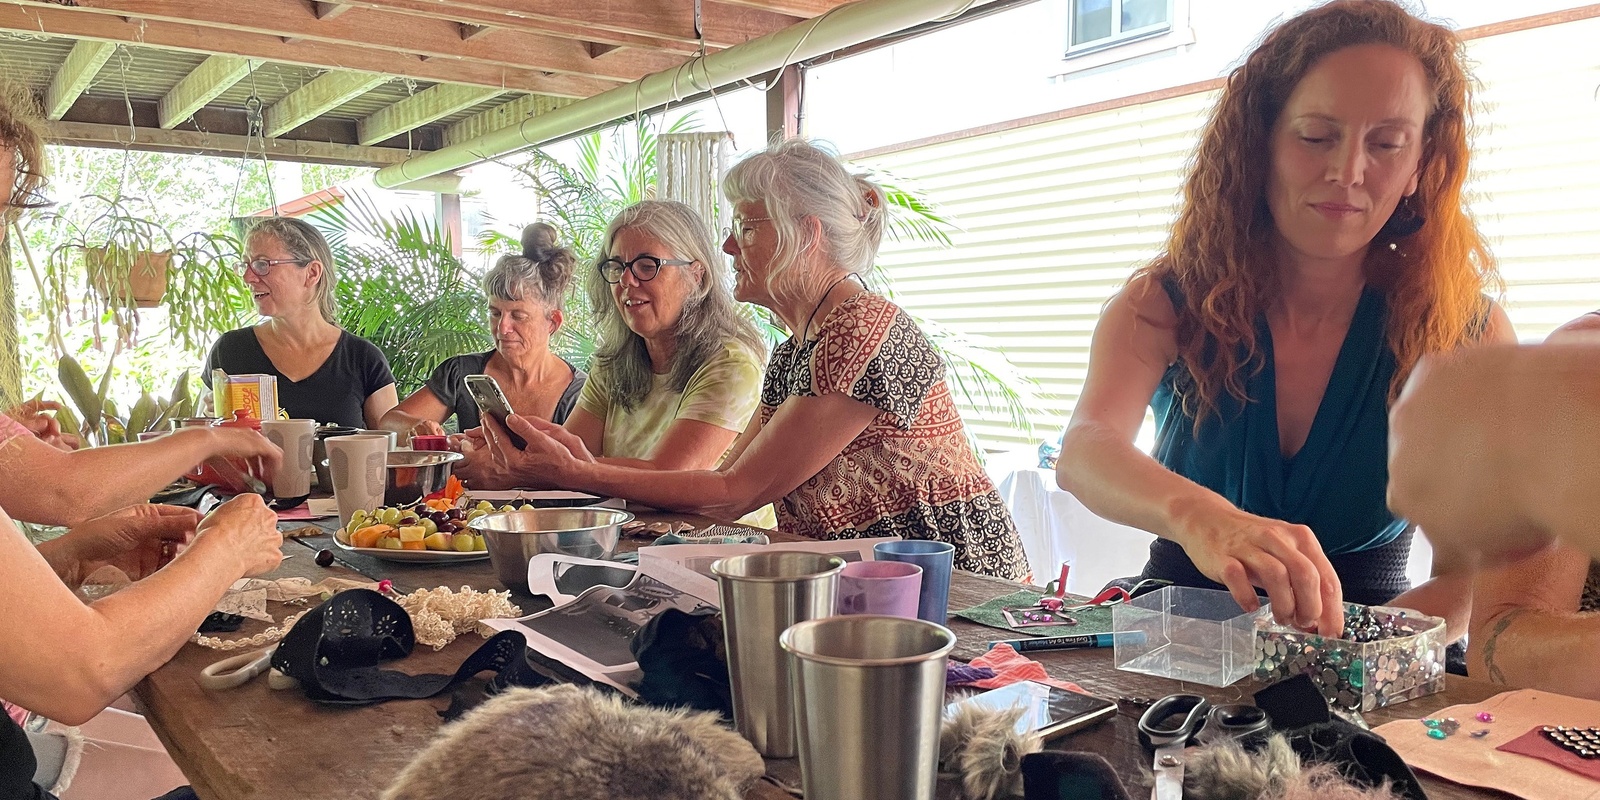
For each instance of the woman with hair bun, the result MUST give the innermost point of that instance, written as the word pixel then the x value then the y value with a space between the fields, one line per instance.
pixel 1322 247
pixel 525 294
pixel 856 434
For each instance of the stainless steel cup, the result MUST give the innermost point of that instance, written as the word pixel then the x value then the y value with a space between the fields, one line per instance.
pixel 762 594
pixel 868 700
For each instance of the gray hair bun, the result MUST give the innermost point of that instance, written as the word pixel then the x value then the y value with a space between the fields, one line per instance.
pixel 538 240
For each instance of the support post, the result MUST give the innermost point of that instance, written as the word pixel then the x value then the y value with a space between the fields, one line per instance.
pixel 10 352
pixel 784 111
pixel 449 207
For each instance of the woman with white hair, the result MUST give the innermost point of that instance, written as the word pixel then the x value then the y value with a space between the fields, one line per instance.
pixel 324 372
pixel 677 370
pixel 525 293
pixel 857 434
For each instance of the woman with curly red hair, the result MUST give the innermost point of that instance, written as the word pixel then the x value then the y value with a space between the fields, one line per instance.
pixel 1322 247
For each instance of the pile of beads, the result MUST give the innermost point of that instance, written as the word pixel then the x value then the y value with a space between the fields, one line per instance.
pixel 1447 727
pixel 1386 656
pixel 1582 742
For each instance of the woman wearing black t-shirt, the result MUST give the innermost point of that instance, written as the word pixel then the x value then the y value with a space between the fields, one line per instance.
pixel 525 294
pixel 324 372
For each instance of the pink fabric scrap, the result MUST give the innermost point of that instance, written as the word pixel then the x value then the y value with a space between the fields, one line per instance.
pixel 1010 667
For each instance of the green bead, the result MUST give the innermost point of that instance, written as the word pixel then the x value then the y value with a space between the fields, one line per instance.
pixel 1432 723
pixel 1436 733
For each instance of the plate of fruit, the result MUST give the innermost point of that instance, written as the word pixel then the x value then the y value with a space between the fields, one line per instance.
pixel 414 533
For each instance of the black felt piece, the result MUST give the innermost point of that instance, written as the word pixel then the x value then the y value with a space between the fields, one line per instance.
pixel 221 622
pixel 1301 713
pixel 1293 703
pixel 335 649
pixel 684 661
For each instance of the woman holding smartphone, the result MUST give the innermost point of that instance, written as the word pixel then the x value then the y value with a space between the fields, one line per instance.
pixel 525 294
pixel 677 372
pixel 856 434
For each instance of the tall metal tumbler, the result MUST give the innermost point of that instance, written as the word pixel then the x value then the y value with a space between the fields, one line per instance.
pixel 869 697
pixel 762 594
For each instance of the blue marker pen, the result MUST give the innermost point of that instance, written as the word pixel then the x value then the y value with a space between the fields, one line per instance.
pixel 1071 642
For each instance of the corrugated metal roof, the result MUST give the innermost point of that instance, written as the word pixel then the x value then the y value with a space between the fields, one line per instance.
pixel 1055 216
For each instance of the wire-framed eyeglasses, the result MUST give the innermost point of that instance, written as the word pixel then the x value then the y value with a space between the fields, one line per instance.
pixel 262 266
pixel 740 229
pixel 644 267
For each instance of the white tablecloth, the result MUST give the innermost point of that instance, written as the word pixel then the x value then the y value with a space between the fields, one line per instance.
pixel 1056 527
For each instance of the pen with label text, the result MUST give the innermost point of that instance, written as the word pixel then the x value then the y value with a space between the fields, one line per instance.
pixel 1071 642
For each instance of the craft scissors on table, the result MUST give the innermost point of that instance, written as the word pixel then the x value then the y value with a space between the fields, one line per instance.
pixel 236 671
pixel 1172 722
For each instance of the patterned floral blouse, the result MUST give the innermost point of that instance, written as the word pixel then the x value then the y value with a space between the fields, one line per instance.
pixel 911 473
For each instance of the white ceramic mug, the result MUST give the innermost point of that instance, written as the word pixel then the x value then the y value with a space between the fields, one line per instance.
pixel 358 465
pixel 294 438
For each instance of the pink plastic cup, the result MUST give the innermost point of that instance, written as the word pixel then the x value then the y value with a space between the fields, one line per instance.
pixel 890 588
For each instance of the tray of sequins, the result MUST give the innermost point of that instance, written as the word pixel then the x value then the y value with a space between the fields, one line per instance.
pixel 1387 655
pixel 1581 742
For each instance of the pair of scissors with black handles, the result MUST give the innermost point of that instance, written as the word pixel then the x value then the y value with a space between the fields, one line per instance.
pixel 1176 721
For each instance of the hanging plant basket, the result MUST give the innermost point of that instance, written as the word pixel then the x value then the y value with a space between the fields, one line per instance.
pixel 122 277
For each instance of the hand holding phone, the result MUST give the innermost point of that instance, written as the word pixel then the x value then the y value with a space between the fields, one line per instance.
pixel 485 391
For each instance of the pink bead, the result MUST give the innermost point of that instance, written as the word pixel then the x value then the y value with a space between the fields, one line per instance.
pixel 1484 716
pixel 385 586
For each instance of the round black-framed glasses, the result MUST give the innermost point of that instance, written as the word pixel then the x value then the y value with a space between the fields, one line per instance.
pixel 644 267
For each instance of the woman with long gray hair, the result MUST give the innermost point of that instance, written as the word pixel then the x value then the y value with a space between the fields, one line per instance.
pixel 525 293
pixel 324 372
pixel 857 434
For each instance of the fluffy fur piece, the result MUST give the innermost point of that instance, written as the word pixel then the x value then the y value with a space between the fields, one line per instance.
pixel 1226 771
pixel 984 751
pixel 568 743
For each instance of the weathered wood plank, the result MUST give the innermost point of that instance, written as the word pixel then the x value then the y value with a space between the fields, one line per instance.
pixel 74 75
pixel 213 77
pixel 428 105
pixel 321 95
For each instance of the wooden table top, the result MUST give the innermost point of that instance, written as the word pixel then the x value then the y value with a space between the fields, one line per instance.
pixel 253 743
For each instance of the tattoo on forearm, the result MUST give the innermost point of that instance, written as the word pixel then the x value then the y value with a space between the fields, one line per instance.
pixel 1495 675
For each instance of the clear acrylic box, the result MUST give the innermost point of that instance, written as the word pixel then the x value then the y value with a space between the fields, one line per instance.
pixel 1186 634
pixel 1359 676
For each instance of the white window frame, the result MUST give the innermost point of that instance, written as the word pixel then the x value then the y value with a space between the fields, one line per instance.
pixel 1117 37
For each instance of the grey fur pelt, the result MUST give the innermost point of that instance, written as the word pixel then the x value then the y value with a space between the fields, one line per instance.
pixel 983 751
pixel 1225 771
pixel 568 743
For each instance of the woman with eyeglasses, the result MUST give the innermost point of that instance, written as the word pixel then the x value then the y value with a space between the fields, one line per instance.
pixel 525 293
pixel 856 434
pixel 678 368
pixel 324 372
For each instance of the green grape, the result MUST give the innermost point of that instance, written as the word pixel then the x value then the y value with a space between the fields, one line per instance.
pixel 430 527
pixel 390 516
pixel 357 517
pixel 507 507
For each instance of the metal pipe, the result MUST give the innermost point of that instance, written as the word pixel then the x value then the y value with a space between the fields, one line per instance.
pixel 842 27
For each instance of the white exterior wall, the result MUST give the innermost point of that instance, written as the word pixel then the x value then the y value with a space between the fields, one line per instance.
pixel 1056 215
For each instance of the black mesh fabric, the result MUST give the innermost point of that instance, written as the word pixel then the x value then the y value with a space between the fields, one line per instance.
pixel 335 649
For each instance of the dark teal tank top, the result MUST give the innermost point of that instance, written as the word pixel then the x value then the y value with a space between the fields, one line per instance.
pixel 1336 484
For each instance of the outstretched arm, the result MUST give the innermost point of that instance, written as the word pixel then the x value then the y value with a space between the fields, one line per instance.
pixel 1526 628
pixel 67 660
pixel 1132 347
pixel 803 436
pixel 42 484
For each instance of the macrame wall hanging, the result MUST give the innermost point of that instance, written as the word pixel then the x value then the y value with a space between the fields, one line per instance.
pixel 690 168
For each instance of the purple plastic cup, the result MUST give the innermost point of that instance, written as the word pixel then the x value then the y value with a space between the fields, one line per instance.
pixel 888 588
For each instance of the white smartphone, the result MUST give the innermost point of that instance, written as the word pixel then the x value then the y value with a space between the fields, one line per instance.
pixel 485 391
pixel 1049 710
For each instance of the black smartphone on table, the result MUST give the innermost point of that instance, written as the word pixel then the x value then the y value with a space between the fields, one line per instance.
pixel 485 391
pixel 1048 710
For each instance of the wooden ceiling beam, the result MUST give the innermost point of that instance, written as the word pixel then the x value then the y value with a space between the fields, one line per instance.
pixel 797 8
pixel 724 25
pixel 328 10
pixel 428 105
pixel 384 33
pixel 429 9
pixel 325 93
pixel 74 75
pixel 91 134
pixel 214 76
pixel 501 116
pixel 35 19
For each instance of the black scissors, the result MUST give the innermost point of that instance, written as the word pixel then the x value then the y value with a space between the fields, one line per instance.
pixel 1175 721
